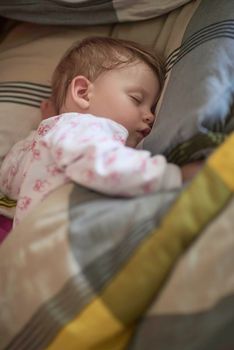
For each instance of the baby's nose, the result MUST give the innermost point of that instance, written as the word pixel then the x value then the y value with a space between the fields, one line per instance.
pixel 149 118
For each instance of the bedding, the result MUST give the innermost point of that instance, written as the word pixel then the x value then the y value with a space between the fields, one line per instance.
pixel 26 67
pixel 86 12
pixel 199 94
pixel 88 271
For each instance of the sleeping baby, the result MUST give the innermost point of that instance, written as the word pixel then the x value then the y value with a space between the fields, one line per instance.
pixel 104 93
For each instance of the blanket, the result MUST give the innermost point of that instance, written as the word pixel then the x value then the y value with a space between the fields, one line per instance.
pixel 86 12
pixel 195 309
pixel 87 273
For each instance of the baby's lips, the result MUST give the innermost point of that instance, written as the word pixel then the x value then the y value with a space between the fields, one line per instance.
pixel 146 132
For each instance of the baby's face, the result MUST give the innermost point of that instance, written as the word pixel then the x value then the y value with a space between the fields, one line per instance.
pixel 128 96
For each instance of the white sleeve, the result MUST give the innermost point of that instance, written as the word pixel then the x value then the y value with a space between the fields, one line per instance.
pixel 92 153
pixel 13 168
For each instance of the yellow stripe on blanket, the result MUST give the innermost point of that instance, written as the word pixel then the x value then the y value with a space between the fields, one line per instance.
pixel 95 328
pixel 7 202
pixel 222 161
pixel 107 323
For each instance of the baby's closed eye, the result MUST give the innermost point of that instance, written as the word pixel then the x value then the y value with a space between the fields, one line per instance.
pixel 136 98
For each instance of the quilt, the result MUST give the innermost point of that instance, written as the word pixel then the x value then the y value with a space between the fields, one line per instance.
pixel 85 275
pixel 86 12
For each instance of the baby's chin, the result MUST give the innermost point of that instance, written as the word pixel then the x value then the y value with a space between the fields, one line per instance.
pixel 135 140
pixel 132 143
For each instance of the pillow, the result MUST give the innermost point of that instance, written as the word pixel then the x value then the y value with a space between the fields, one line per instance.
pixel 28 56
pixel 194 115
pixel 86 12
pixel 27 96
pixel 189 125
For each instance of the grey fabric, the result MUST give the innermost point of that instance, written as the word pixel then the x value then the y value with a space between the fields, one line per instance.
pixel 58 311
pixel 195 309
pixel 58 13
pixel 86 12
pixel 206 330
pixel 200 87
pixel 104 231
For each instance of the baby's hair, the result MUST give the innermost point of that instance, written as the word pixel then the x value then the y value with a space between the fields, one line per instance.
pixel 94 55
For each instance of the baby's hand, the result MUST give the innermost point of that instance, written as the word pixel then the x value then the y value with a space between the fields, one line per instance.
pixel 191 169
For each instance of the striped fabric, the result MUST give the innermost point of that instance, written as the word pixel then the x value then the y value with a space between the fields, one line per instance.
pixel 223 29
pixel 195 309
pixel 7 206
pixel 198 94
pixel 6 202
pixel 25 93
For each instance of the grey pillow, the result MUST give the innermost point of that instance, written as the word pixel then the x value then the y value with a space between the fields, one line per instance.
pixel 195 114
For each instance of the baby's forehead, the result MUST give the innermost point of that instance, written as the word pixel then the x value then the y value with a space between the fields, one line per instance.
pixel 135 62
pixel 134 73
pixel 143 67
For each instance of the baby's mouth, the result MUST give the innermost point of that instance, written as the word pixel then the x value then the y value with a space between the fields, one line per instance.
pixel 145 132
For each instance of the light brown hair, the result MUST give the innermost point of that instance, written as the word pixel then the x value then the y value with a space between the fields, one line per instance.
pixel 94 55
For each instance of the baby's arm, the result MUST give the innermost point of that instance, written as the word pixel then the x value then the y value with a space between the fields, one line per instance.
pixel 12 171
pixel 90 152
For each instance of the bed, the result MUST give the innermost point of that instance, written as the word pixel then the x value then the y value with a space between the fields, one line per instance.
pixel 88 271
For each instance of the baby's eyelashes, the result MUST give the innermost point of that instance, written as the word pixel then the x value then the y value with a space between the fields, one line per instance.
pixel 137 99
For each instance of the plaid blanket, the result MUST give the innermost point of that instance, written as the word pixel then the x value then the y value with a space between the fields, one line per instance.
pixel 195 309
pixel 82 269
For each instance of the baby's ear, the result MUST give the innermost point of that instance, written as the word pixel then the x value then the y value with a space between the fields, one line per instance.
pixel 80 88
